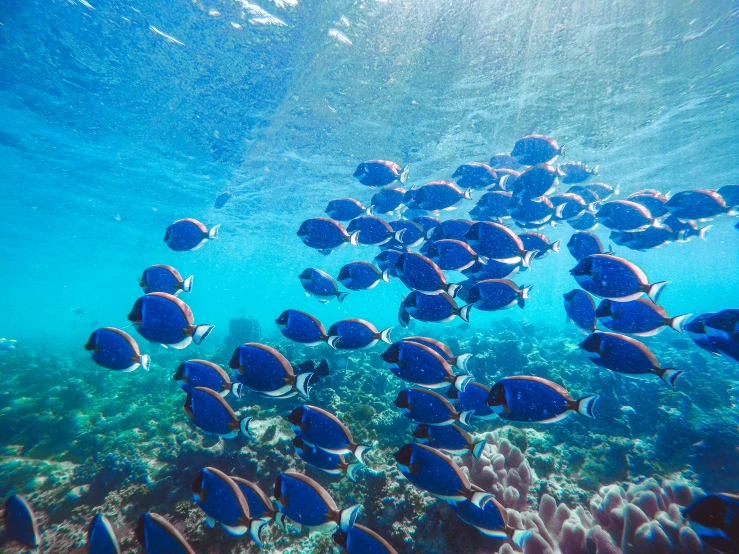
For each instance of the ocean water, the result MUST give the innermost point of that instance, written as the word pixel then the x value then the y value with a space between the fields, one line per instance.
pixel 119 118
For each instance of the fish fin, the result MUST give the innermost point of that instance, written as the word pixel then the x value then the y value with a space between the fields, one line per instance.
pixel 483 259
pixel 460 362
pixel 360 450
pixel 399 235
pixel 348 516
pixel 655 289
pixel 333 472
pixel 145 360
pixel 466 266
pixel 527 257
pixel 677 322
pixel 352 470
pixel 477 448
pixel 331 341
pixel 187 284
pixel 354 238
pixel 670 375
pixel 326 251
pixel 452 289
pixel 256 528
pixel 464 313
pixel 502 181
pixel 568 319
pixel 586 405
pixel 385 335
pixel 213 233
pixel 594 171
pixel 558 211
pixel 184 343
pixel 341 296
pixel 403 175
pixel 556 245
pixel 465 418
pixel 235 530
pixel 703 232
pixel 210 522
pixel 200 332
pixel 461 382
pixel 385 276
pixel 480 498
pixel 519 536
pixel 244 427
pixel 467 194
pixel 237 389
pixel 322 300
pixel 562 150
pixel 302 384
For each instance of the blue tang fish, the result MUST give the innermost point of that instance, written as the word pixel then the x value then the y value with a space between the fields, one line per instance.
pixel 116 349
pixel 730 195
pixel 373 231
pixel 583 244
pixel 386 261
pixel 589 195
pixel 573 206
pixel 450 439
pixel 164 278
pixel 7 345
pixel 101 537
pixel 202 373
pixel 345 209
pixel 534 399
pixel 431 308
pixel 652 200
pixel 408 234
pixel 380 173
pixel 586 222
pixel 638 317
pixel 474 175
pixel 325 235
pixel 306 503
pixel 614 278
pixel 540 243
pixel 455 229
pixel 504 160
pixel 320 428
pixel 696 205
pixel 493 205
pixel 419 364
pixel 451 254
pixel 163 318
pixel 387 200
pixel 435 196
pixel 260 505
pixel 715 519
pixel 536 149
pixel 474 399
pixel 210 412
pixel 301 327
pixel 321 285
pixel 156 535
pixel 427 223
pixel 535 182
pixel 505 177
pixel 580 308
pixel 624 215
pixel 716 332
pixel 459 361
pixel 188 234
pixel 425 406
pixel 223 502
pixel 333 464
pixel 361 276
pixel 360 540
pixel 419 273
pixel 576 172
pixel 221 200
pixel 497 294
pixel 436 473
pixel 491 520
pixel 654 237
pixel 353 334
pixel 20 522
pixel 498 243
pixel 602 191
pixel 627 356
pixel 492 269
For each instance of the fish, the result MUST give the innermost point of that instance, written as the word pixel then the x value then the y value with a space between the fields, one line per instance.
pixel 714 518
pixel 696 205
pixel 260 505
pixel 431 308
pixel 425 406
pixel 407 234
pixel 427 223
pixel 601 190
pixel 640 317
pixel 318 427
pixel 321 285
pixel 325 235
pixel 454 229
pixel 730 195
pixel 624 215
pixel 222 199
pixel 223 502
pixel 333 464
pixel 306 503
pixel 156 535
pixel 491 270
pixel 586 222
pixel 532 213
pixel 474 175
pixel 372 231
pixel 361 276
pixel 580 308
pixel 420 364
pixel 535 182
pixel 202 373
pixel 301 327
pixel 684 230
pixel 211 414
pixel 652 200
pixel 538 242
pixel 536 149
pixel 451 439
pixel 498 243
pixel 583 244
pixel 576 172
pixel 497 294
pixel 433 471
pixel 472 399
pixel 450 254
pixel 387 200
pixel 627 356
pixel 353 334
pixel 589 193
pixel 386 261
pixel 380 173
pixel 163 318
pixel 20 522
pixel 717 332
pixel 510 176
pixel 492 205
pixel 436 195
pixel 360 540
pixel 491 520
pixel 101 538
pixel 419 273
pixel 574 206
pixel 535 399
pixel 614 278
pixel 188 235
pixel 115 349
pixel 345 209
pixel 164 278
pixel 504 160
pixel 459 361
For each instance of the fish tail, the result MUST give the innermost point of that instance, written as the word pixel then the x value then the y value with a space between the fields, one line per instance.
pixel 145 360
pixel 244 427
pixel 404 317
pixel 655 289
pixel 519 536
pixel 477 448
pixel 187 284
pixel 348 516
pixel 467 194
pixel 331 341
pixel 586 405
pixel 677 322
pixel 302 384
pixel 399 235
pixel 237 389
pixel 353 239
pixel 341 296
pixel 213 233
pixel 461 381
pixel 556 244
pixel 502 181
pixel 480 498
pixel 352 470
pixel 464 313
pixel 360 450
pixel 452 289
pixel 386 276
pixel 527 256
pixel 594 171
pixel 384 335
pixel 465 418
pixel 256 528
pixel 670 375
pixel 524 295
pixel 703 231
pixel 460 362
pixel 404 175
pixel 200 332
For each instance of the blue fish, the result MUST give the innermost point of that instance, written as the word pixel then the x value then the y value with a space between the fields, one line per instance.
pixel 163 318
pixel 716 332
pixel 654 237
pixel 627 356
pixel 380 173
pixel 450 254
pixel 386 261
pixel 532 213
pixel 624 215
pixel 505 177
pixel 427 223
pixel 614 278
pixel 535 182
pixel 652 200
pixel 576 172
pixel 221 200
pixel 534 399
pixel 638 317
pixel 210 413
pixel 260 505
pixel 301 327
pixel 158 536
pixel 454 229
pixel 419 364
pixel 696 329
pixel 353 334
pixel 580 308
pixel 497 294
pixel 436 195
pixel 101 537
pixel 450 439
pixel 491 520
pixel 540 243
pixel 586 222
pixel 696 205
pixel 387 200
pixel 573 206
pixel 20 522
pixel 492 269
pixel 498 243
pixel 715 519
pixel 588 193
pixel 333 464
pixel 536 149
pixel 602 191
pixel 202 373
pixel 306 503
pixel 116 349
pixel 436 473
pixel 431 308
pixel 474 175
pixel 361 276
pixel 504 160
pixel 360 540
pixel 730 195
pixel 223 502
pixel 684 230
pixel 345 209
pixel 458 361
pixel 474 399
pixel 425 406
pixel 321 285
pixel 407 234
pixel 492 205
pixel 419 273
pixel 325 235
pixel 372 231
pixel 164 278
pixel 7 345
pixel 583 244
pixel 188 234
pixel 320 428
